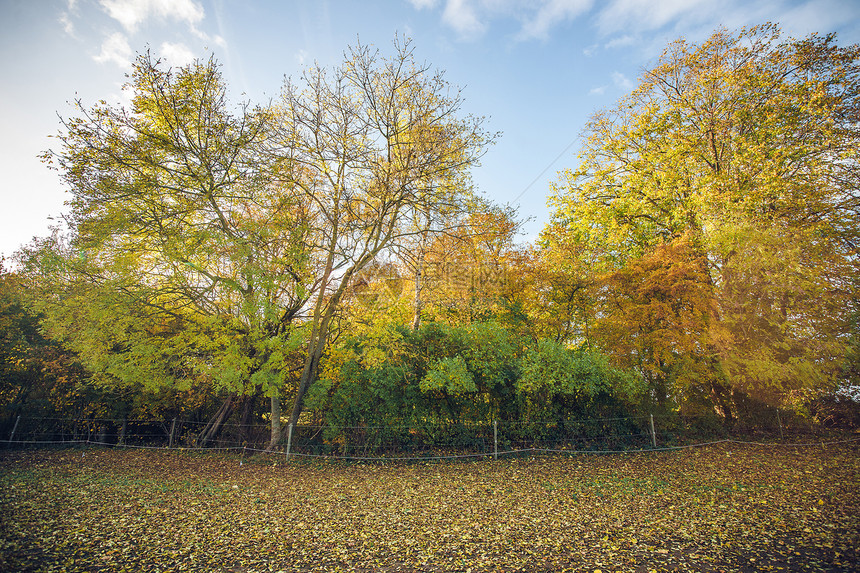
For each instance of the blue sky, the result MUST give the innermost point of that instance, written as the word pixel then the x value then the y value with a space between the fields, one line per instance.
pixel 537 69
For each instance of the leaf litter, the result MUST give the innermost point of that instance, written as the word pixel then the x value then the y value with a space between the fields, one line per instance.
pixel 727 507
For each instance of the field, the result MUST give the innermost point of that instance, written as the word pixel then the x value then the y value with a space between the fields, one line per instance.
pixel 725 507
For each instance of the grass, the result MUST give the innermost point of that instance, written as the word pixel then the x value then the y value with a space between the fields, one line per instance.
pixel 726 507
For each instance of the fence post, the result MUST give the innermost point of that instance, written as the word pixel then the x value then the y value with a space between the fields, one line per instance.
pixel 15 427
pixel 172 430
pixel 779 421
pixel 495 440
pixel 653 433
pixel 289 439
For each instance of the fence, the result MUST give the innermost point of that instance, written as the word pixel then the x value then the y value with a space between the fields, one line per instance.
pixel 413 441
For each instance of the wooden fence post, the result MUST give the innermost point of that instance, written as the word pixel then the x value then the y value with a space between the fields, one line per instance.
pixel 779 421
pixel 289 439
pixel 495 440
pixel 15 427
pixel 653 433
pixel 172 431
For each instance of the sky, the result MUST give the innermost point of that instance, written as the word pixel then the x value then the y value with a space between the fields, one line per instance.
pixel 537 69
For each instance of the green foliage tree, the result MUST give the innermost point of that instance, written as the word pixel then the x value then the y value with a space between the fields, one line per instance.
pixel 559 383
pixel 19 341
pixel 30 365
pixel 369 145
pixel 210 244
pixel 438 374
pixel 38 377
pixel 187 255
pixel 468 370
pixel 745 148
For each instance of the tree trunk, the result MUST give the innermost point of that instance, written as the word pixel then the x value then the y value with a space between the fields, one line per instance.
pixel 416 316
pixel 276 422
pixel 317 343
pixel 719 394
pixel 323 314
pixel 418 303
pixel 245 418
pixel 308 374
pixel 216 424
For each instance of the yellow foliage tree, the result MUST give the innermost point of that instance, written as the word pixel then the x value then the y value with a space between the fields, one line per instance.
pixel 741 153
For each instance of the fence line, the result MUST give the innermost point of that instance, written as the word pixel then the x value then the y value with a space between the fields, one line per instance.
pixel 419 441
pixel 487 455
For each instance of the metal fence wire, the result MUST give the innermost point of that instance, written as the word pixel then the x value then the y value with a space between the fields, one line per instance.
pixel 425 440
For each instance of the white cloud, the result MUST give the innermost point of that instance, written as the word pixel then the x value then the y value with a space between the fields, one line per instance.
pixel 817 15
pixel 115 49
pixel 421 4
pixel 131 13
pixel 301 57
pixel 637 15
pixel 620 41
pixel 66 18
pixel 625 23
pixel 600 90
pixel 463 17
pixel 177 55
pixel 651 23
pixel 68 25
pixel 123 97
pixel 471 18
pixel 217 39
pixel 622 81
pixel 551 13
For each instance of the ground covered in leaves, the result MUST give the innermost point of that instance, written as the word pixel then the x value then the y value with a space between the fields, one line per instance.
pixel 726 507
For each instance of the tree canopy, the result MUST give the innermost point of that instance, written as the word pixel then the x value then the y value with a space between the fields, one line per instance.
pixel 327 250
pixel 717 205
pixel 213 242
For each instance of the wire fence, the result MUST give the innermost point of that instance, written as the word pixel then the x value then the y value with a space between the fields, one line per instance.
pixel 414 441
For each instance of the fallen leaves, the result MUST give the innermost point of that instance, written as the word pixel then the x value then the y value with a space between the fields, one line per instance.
pixel 708 509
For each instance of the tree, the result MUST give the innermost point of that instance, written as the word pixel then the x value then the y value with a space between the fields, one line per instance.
pixel 466 267
pixel 38 377
pixel 369 145
pixel 186 249
pixel 559 383
pixel 657 318
pixel 557 289
pixel 403 378
pixel 214 244
pixel 746 147
pixel 19 344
